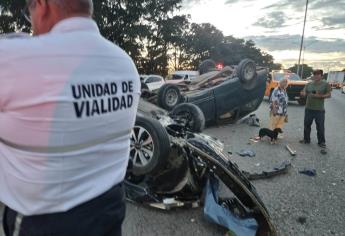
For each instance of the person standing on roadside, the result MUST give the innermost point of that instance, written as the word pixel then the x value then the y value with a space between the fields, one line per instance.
pixel 315 92
pixel 68 103
pixel 278 105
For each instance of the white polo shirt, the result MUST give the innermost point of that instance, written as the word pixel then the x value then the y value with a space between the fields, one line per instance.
pixel 68 101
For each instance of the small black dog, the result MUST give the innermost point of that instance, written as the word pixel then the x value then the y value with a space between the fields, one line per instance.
pixel 273 134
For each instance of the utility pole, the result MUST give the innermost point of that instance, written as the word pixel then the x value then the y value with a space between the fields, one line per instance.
pixel 303 63
pixel 302 40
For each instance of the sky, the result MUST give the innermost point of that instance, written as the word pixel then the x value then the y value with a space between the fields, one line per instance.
pixel 276 27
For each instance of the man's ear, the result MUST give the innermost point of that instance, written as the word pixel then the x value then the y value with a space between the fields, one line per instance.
pixel 43 8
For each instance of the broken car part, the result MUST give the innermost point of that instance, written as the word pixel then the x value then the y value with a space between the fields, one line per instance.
pixel 280 170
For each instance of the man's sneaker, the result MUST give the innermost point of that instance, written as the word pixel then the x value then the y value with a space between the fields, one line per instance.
pixel 322 145
pixel 303 141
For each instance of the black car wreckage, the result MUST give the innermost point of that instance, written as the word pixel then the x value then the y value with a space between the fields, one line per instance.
pixel 171 165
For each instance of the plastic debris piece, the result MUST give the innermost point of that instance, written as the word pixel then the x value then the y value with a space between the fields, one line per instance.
pixel 309 172
pixel 279 170
pixel 252 120
pixel 246 153
pixel 220 215
pixel 291 150
pixel 302 220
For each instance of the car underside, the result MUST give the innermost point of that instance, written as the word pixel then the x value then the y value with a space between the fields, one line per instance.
pixel 223 96
pixel 171 166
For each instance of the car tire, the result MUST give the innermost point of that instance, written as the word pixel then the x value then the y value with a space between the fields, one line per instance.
pixel 246 72
pixel 150 146
pixel 169 96
pixel 207 66
pixel 192 116
pixel 302 101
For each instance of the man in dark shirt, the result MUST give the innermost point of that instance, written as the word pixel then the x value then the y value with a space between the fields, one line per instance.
pixel 316 93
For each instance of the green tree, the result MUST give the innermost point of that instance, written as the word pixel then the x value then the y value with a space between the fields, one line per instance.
pixel 307 70
pixel 153 34
pixel 203 39
pixel 11 18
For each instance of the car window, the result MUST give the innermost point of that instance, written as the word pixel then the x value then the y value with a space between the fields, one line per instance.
pixel 280 76
pixel 157 79
pixel 177 77
pixel 149 80
pixel 294 77
pixel 153 79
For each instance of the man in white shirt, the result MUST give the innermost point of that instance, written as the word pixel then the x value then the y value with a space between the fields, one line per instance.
pixel 68 101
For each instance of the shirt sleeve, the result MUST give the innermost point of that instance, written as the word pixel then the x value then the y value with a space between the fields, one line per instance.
pixel 275 97
pixel 2 82
pixel 4 71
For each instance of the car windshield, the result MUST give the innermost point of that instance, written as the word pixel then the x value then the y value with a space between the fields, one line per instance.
pixel 289 76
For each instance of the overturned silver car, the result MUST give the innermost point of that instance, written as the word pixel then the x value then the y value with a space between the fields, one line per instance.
pixel 171 166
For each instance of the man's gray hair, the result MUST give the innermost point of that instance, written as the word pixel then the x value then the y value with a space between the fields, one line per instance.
pixel 75 6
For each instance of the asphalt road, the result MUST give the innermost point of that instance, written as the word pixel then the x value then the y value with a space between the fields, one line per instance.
pixel 319 200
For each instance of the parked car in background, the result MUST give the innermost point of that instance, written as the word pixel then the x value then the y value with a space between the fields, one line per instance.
pixel 152 82
pixel 182 76
pixel 336 79
pixel 295 85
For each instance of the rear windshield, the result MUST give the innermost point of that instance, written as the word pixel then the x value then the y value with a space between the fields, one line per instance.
pixel 280 76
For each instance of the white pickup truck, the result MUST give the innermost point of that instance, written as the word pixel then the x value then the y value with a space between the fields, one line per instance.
pixel 336 79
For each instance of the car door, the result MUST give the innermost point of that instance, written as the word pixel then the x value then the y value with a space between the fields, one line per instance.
pixel 229 97
pixel 149 82
pixel 156 82
pixel 205 100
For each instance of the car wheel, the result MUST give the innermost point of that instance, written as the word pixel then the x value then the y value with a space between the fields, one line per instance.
pixel 169 96
pixel 150 146
pixel 207 66
pixel 191 115
pixel 246 72
pixel 301 101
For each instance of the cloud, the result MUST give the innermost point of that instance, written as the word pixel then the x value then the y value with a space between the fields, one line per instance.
pixel 236 1
pixel 191 3
pixel 272 20
pixel 292 42
pixel 299 5
pixel 337 21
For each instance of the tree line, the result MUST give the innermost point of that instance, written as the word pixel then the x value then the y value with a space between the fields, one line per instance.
pixel 155 35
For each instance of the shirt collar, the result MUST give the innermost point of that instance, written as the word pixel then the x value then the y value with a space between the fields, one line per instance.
pixel 75 24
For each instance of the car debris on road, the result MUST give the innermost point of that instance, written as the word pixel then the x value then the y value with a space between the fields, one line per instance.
pixel 280 170
pixel 308 171
pixel 246 153
pixel 252 120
